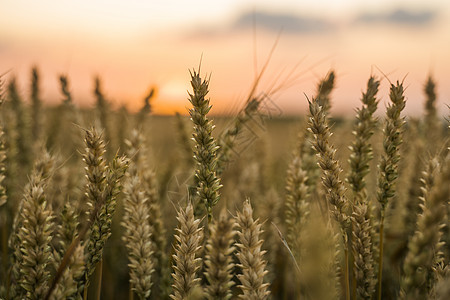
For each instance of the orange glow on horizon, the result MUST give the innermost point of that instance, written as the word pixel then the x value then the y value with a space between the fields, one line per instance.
pixel 132 57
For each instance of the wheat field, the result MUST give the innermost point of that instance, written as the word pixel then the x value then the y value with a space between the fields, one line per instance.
pixel 103 203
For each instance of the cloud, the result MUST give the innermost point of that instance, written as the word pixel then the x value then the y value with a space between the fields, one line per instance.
pixel 287 22
pixel 399 17
pixel 270 21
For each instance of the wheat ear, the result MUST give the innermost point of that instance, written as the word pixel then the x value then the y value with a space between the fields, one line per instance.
pixel 137 237
pixel 31 239
pixel 426 241
pixel 138 152
pixel 388 167
pixel 250 256
pixel 205 145
pixel 186 261
pixel 102 189
pixel 219 265
pixel 296 205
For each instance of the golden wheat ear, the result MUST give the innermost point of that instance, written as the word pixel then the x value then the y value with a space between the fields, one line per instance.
pixel 424 246
pixel 219 261
pixel 102 188
pixel 32 235
pixel 388 167
pixel 205 152
pixel 186 260
pixel 137 237
pixel 250 256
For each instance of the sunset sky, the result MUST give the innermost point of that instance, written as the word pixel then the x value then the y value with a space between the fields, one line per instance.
pixel 134 45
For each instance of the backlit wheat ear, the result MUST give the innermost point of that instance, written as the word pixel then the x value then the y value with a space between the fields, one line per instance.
pixel 205 145
pixel 361 148
pixel 318 125
pixel 186 261
pixel 297 206
pixel 23 147
pixel 424 245
pixel 139 154
pixel 362 221
pixel 431 121
pixel 36 127
pixel 324 90
pixel 137 237
pixel 331 169
pixel 307 152
pixel 31 240
pixel 362 252
pixel 388 168
pixel 102 189
pixel 250 256
pixel 102 106
pixel 96 180
pixel 219 265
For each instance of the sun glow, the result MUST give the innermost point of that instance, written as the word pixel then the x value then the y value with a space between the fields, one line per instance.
pixel 143 43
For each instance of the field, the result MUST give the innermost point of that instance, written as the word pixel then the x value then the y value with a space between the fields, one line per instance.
pixel 102 203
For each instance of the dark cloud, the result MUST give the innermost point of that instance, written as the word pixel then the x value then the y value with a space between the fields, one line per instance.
pixel 399 17
pixel 290 23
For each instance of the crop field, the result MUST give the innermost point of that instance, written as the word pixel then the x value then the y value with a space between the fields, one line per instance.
pixel 104 203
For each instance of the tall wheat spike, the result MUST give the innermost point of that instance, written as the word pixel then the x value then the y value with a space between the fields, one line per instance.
pixel 361 149
pixel 424 246
pixel 362 252
pixel 331 169
pixel 31 239
pixel 137 237
pixel 36 129
pixel 102 188
pixel 186 260
pixel 250 256
pixel 23 147
pixel 208 183
pixel 431 121
pixel 388 167
pixel 297 204
pixel 362 221
pixel 137 150
pixel 307 152
pixel 318 125
pixel 219 263
pixel 103 111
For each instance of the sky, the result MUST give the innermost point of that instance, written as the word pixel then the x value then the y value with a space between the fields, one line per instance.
pixel 137 45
